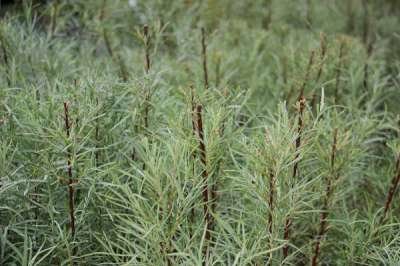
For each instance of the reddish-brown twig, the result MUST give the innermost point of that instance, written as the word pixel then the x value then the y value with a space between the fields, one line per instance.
pixel 205 192
pixel 193 154
pixel 69 169
pixel 393 188
pixel 97 136
pixel 146 37
pixel 325 209
pixel 288 222
pixel 271 200
pixel 321 55
pixel 204 55
pixel 217 71
pixel 302 105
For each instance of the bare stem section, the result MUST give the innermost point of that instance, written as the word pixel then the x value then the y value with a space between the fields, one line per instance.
pixel 393 188
pixel 301 108
pixel 146 40
pixel 70 182
pixel 271 200
pixel 204 55
pixel 97 137
pixel 198 122
pixel 300 122
pixel 147 48
pixel 325 209
pixel 69 170
pixel 323 49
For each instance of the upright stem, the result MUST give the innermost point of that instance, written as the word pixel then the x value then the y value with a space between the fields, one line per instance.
pixel 193 155
pixel 322 55
pixel 288 222
pixel 271 200
pixel 147 48
pixel 71 182
pixel 271 207
pixel 393 188
pixel 204 55
pixel 324 214
pixel 69 169
pixel 147 69
pixel 205 192
pixel 302 105
pixel 217 71
pixel 97 136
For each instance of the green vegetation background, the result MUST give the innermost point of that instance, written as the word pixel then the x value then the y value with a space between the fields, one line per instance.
pixel 137 173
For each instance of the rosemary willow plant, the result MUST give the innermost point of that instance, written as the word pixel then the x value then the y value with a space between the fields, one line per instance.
pixel 199 133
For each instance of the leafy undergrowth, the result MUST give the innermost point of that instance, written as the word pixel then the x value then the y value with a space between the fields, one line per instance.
pixel 224 132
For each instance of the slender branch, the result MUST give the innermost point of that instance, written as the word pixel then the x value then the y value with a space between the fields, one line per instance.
pixel 321 55
pixel 97 136
pixel 288 222
pixel 325 209
pixel 393 188
pixel 285 70
pixel 205 192
pixel 193 155
pixel 271 200
pixel 71 192
pixel 218 70
pixel 69 169
pixel 204 55
pixel 147 69
pixel 302 105
pixel 147 48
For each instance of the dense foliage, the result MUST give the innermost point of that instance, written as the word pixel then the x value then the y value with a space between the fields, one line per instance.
pixel 214 132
